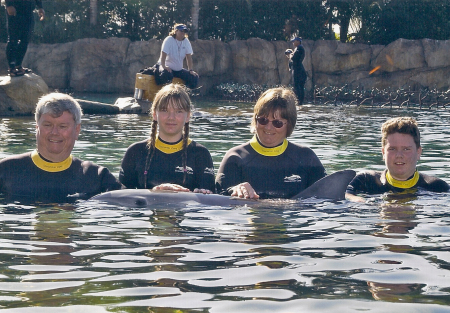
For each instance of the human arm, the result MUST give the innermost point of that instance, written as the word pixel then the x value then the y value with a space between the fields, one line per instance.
pixel 190 63
pixel 244 190
pixel 229 180
pixel 354 198
pixel 203 169
pixel 360 184
pixel 171 187
pixel 163 62
pixel 128 174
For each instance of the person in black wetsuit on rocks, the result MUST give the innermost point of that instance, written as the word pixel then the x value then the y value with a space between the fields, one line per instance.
pixel 298 70
pixel 20 24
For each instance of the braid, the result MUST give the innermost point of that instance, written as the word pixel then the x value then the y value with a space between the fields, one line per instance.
pixel 151 150
pixel 185 144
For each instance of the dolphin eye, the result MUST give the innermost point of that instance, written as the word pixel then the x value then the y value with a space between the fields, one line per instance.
pixel 140 202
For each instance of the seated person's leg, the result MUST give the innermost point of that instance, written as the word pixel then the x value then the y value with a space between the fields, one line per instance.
pixel 190 79
pixel 163 77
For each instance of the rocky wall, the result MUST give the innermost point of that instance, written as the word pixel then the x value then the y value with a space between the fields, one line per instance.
pixel 110 65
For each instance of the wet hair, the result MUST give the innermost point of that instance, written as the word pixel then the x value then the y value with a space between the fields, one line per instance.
pixel 402 125
pixel 174 30
pixel 56 104
pixel 277 99
pixel 170 95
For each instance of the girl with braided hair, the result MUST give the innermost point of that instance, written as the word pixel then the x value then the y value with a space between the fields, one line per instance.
pixel 169 159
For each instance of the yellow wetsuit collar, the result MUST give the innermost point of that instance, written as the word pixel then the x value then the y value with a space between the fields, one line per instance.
pixel 268 151
pixel 50 166
pixel 404 184
pixel 170 148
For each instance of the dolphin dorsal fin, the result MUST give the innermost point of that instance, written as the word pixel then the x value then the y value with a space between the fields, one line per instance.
pixel 330 187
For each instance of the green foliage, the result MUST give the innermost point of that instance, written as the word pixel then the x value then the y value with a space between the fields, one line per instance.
pixel 381 21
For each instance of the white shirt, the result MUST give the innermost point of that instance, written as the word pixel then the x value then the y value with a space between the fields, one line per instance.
pixel 176 52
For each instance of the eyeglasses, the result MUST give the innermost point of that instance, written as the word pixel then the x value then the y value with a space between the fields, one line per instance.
pixel 264 121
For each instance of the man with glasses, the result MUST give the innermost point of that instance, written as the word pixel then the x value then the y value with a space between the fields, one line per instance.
pixel 269 166
pixel 175 48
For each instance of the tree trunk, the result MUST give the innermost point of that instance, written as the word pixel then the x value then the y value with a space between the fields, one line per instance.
pixel 94 9
pixel 195 12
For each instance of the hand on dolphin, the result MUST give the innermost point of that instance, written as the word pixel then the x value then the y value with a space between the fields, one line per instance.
pixel 172 187
pixel 245 191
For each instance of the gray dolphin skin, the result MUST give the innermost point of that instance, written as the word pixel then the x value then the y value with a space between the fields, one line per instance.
pixel 331 187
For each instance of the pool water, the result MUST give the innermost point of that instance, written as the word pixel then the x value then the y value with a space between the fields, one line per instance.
pixel 389 254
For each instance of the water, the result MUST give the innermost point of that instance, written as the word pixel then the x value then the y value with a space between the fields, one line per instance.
pixel 386 255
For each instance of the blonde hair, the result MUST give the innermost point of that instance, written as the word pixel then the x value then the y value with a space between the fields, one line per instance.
pixel 174 30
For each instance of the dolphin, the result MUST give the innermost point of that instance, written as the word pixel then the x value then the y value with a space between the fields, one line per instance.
pixel 330 187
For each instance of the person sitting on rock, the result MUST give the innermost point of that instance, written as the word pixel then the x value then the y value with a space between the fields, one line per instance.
pixel 401 150
pixel 50 173
pixel 175 48
pixel 20 24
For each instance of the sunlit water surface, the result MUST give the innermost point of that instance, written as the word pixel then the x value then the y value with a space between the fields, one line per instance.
pixel 383 256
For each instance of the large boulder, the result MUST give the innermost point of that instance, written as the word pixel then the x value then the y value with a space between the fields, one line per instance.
pixel 401 55
pixel 51 62
pixel 97 64
pixel 330 56
pixel 19 95
pixel 254 62
pixel 436 52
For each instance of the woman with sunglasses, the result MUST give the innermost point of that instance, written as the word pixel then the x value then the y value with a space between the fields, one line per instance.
pixel 169 160
pixel 269 166
pixel 175 48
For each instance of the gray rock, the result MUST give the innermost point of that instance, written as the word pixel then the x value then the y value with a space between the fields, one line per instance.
pixel 110 65
pixel 19 95
pixel 130 105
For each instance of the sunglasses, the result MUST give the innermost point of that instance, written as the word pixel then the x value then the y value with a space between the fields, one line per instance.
pixel 264 121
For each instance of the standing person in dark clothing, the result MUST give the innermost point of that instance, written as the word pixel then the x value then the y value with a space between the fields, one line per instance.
pixel 20 24
pixel 298 71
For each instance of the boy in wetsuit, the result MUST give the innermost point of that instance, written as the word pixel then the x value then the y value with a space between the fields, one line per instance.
pixel 401 150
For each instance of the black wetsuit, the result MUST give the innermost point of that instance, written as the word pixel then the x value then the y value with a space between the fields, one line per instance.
pixel 281 176
pixel 20 28
pixel 299 73
pixel 167 168
pixel 374 182
pixel 22 180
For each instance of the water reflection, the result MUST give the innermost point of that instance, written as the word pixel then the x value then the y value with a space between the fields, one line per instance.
pixel 388 254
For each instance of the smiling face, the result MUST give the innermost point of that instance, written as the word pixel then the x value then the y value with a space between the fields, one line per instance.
pixel 171 121
pixel 401 154
pixel 56 136
pixel 270 136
